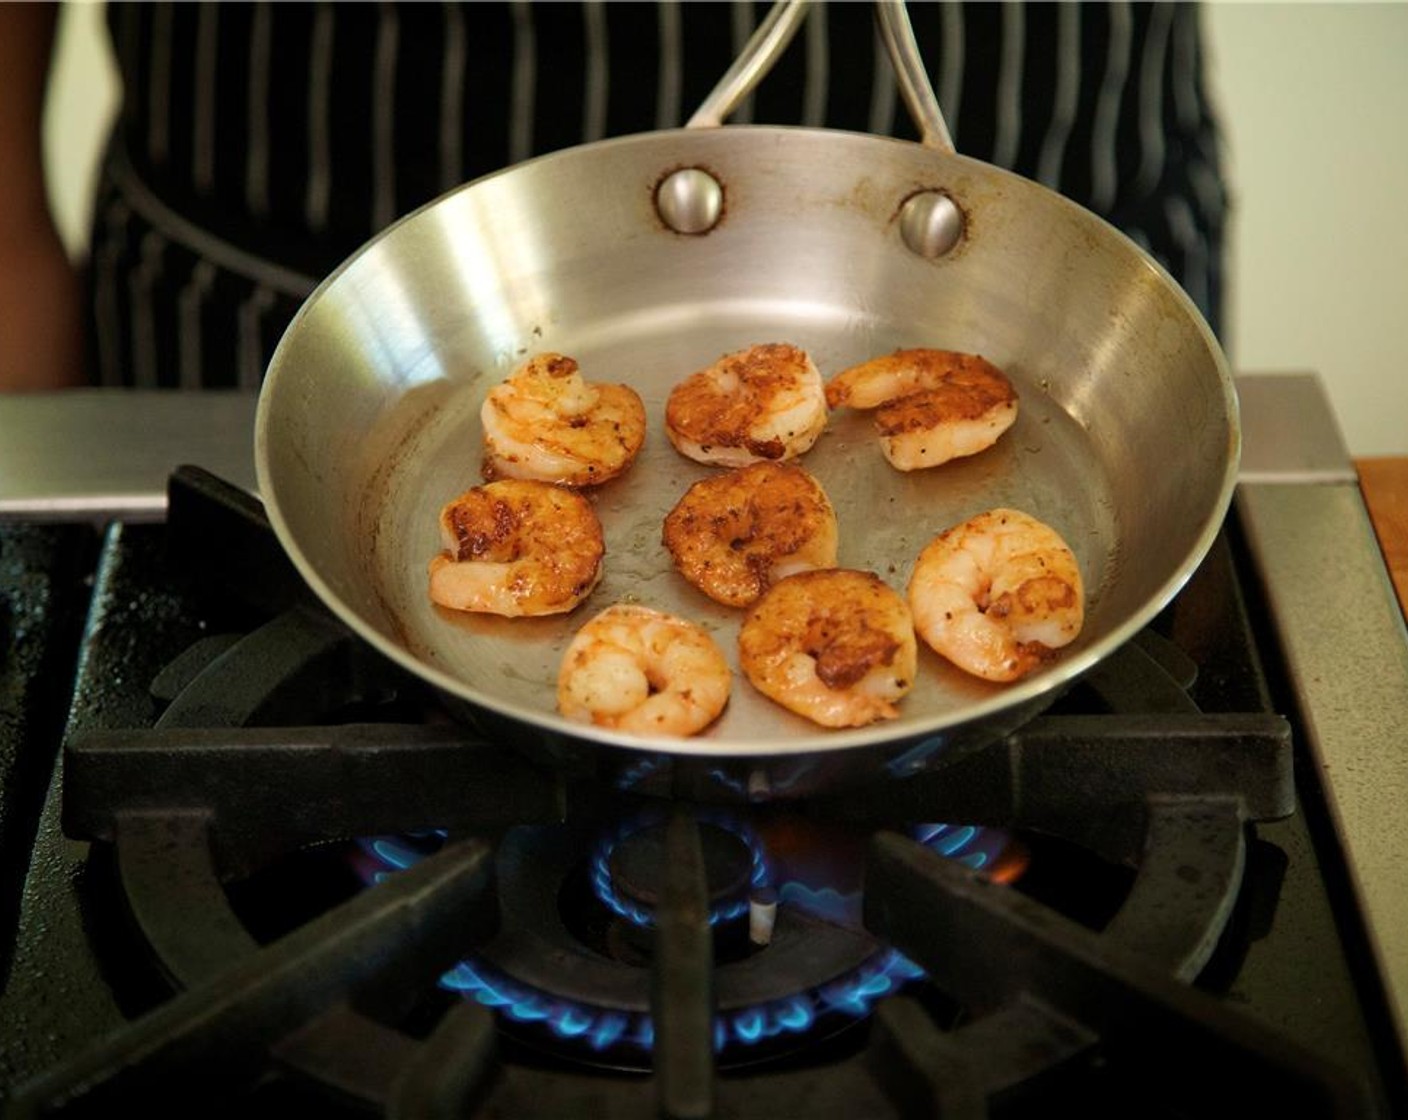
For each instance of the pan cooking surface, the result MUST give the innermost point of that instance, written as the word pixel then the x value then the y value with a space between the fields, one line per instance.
pixel 428 449
pixel 1126 441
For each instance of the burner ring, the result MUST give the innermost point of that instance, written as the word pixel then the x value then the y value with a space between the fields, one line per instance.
pixel 820 974
pixel 611 862
pixel 556 992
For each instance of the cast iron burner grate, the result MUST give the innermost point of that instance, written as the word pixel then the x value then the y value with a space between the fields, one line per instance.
pixel 242 769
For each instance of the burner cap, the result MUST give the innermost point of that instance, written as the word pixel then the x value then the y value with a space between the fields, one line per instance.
pixel 638 869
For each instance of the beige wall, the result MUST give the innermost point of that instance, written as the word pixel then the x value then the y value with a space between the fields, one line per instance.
pixel 1315 103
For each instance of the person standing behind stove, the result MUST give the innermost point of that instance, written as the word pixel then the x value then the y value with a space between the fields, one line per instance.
pixel 258 145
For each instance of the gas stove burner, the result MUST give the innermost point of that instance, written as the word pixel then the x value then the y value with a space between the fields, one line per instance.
pixel 189 882
pixel 569 970
pixel 627 867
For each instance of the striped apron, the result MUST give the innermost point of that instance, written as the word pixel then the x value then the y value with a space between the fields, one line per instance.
pixel 258 145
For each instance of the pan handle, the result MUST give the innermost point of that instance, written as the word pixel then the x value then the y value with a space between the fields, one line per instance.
pixel 775 33
pixel 759 56
pixel 915 87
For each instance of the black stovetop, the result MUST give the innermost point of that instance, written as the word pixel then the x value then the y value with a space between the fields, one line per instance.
pixel 192 840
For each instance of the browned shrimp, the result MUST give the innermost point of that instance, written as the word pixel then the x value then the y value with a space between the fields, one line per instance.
pixel 764 403
pixel 549 424
pixel 998 594
pixel 931 405
pixel 736 534
pixel 640 670
pixel 835 646
pixel 517 548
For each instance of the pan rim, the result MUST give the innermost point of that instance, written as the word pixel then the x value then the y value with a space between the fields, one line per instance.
pixel 1019 696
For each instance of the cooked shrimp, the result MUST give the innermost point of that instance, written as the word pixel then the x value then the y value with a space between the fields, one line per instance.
pixel 736 534
pixel 640 670
pixel 517 548
pixel 835 646
pixel 547 423
pixel 764 403
pixel 997 595
pixel 931 405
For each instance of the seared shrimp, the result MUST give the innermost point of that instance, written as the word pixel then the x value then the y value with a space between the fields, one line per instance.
pixel 998 594
pixel 547 423
pixel 640 670
pixel 931 405
pixel 765 403
pixel 736 534
pixel 517 548
pixel 835 646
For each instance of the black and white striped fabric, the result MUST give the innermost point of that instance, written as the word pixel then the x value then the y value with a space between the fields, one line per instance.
pixel 260 144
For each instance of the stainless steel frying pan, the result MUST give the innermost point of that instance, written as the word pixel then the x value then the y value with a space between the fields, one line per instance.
pixel 648 257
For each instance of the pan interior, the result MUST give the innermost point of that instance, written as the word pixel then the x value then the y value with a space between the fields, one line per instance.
pixel 1043 465
pixel 1125 440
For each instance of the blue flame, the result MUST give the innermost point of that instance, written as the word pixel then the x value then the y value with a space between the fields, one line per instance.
pixel 635 774
pixel 827 903
pixel 971 846
pixel 601 1029
pixel 726 911
pixel 728 781
pixel 598 1028
pixel 856 994
pixel 763 784
pixel 396 854
pixel 917 757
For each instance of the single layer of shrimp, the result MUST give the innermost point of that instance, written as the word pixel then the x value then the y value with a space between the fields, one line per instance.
pixel 736 534
pixel 549 424
pixel 764 403
pixel 517 548
pixel 835 646
pixel 998 594
pixel 640 670
pixel 931 405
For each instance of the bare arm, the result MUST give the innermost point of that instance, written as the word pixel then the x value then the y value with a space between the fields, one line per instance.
pixel 41 345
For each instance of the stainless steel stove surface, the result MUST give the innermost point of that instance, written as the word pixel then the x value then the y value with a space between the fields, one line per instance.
pixel 1155 900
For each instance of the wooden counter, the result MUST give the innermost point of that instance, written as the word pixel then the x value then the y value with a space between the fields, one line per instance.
pixel 1384 482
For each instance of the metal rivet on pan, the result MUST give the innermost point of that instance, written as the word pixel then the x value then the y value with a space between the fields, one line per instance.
pixel 931 223
pixel 690 201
